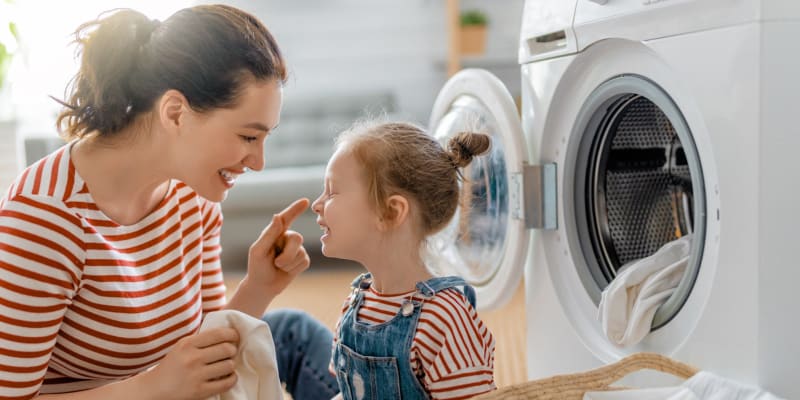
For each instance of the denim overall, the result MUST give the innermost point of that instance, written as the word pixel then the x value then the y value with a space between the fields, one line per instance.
pixel 373 361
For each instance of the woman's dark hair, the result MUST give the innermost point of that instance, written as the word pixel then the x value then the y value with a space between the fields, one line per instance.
pixel 128 61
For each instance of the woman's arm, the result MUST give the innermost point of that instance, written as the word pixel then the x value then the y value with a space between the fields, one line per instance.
pixel 128 389
pixel 274 260
pixel 41 268
pixel 197 367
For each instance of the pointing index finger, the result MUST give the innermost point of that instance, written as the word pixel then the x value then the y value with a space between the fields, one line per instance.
pixel 290 213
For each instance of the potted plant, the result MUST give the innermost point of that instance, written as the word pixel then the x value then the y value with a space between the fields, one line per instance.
pixel 8 39
pixel 8 46
pixel 473 32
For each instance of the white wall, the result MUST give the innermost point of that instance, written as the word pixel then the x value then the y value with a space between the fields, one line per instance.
pixel 358 45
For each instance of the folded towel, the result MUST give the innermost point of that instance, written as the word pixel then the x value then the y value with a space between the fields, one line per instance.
pixel 256 365
pixel 630 301
pixel 708 386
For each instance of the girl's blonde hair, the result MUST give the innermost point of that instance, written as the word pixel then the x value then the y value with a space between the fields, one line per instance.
pixel 400 158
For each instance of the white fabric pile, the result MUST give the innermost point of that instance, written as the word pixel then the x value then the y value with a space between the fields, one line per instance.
pixel 702 386
pixel 630 301
pixel 256 365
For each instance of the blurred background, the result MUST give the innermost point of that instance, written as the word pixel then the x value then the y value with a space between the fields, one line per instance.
pixel 348 59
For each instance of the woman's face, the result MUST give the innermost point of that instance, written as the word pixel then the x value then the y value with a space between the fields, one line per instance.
pixel 216 146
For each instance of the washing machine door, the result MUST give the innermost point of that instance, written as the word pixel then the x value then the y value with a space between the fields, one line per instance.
pixel 486 241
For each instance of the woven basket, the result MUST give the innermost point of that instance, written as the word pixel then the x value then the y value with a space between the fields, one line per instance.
pixel 573 386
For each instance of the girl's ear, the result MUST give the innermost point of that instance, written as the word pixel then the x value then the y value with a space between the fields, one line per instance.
pixel 397 212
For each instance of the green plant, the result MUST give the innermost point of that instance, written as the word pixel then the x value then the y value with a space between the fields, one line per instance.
pixel 8 38
pixel 473 17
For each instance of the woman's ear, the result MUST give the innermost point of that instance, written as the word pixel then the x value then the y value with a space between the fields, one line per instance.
pixel 397 212
pixel 172 108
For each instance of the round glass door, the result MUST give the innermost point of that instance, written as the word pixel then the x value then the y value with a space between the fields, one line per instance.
pixel 484 243
pixel 474 239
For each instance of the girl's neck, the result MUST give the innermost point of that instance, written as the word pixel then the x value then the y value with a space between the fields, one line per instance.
pixel 397 269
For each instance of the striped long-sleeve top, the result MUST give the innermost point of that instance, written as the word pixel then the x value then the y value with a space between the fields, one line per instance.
pixel 452 352
pixel 85 301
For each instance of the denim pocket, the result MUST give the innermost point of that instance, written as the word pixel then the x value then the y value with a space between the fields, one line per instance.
pixel 366 377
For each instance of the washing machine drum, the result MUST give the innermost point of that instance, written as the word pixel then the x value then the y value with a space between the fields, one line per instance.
pixel 638 183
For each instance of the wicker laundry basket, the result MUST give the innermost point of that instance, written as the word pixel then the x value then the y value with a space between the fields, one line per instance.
pixel 573 386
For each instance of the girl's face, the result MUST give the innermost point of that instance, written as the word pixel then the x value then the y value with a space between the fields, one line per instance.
pixel 348 220
pixel 216 146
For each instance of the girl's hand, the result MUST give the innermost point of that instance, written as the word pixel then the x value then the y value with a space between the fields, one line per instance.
pixel 278 255
pixel 197 367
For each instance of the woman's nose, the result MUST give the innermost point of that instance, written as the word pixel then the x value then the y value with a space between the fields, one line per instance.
pixel 255 159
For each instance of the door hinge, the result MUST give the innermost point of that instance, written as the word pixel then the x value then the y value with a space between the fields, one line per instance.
pixel 533 196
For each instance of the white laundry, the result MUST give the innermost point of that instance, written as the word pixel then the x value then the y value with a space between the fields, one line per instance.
pixel 256 365
pixel 662 393
pixel 630 301
pixel 702 386
pixel 708 386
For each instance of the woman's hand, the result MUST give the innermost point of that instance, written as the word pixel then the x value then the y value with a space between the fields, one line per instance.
pixel 197 367
pixel 278 255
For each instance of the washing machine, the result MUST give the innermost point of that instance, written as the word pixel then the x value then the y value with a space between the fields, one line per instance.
pixel 642 121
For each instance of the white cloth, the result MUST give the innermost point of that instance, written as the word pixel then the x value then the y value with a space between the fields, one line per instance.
pixel 256 365
pixel 662 393
pixel 702 386
pixel 630 301
pixel 708 386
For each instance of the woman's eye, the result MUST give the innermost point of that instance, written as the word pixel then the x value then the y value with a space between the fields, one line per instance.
pixel 249 139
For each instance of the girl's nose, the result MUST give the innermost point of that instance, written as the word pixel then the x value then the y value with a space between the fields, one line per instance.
pixel 316 206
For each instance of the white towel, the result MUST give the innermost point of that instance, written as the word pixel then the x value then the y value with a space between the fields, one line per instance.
pixel 662 393
pixel 708 386
pixel 702 386
pixel 256 365
pixel 630 301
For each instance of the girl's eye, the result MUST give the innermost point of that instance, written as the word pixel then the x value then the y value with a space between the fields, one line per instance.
pixel 249 139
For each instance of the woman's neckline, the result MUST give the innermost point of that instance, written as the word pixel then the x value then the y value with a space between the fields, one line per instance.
pixel 82 185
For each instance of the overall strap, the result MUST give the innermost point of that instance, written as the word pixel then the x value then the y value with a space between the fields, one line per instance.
pixel 362 281
pixel 430 287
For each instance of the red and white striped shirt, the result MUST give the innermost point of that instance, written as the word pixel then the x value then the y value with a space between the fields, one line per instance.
pixel 452 351
pixel 85 301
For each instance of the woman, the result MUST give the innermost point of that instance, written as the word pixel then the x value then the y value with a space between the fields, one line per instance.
pixel 109 247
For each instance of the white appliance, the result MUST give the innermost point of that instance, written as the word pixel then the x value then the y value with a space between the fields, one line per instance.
pixel 642 121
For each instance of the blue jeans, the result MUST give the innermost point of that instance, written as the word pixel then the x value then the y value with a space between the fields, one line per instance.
pixel 303 348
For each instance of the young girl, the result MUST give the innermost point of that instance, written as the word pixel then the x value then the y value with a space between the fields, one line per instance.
pixel 403 333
